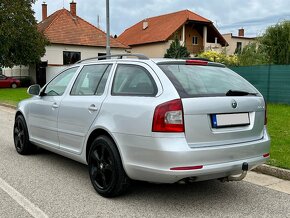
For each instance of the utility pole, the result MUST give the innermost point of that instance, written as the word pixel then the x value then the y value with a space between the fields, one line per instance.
pixel 108 49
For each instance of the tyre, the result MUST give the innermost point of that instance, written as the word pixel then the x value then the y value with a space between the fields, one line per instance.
pixel 21 137
pixel 13 85
pixel 105 168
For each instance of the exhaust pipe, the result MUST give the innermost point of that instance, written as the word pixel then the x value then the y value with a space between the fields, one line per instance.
pixel 245 168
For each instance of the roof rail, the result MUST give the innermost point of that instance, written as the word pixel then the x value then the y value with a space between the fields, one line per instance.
pixel 118 56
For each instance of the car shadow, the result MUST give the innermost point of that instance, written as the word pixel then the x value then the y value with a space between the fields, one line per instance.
pixel 176 191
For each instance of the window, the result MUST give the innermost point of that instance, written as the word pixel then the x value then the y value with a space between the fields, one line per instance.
pixel 58 85
pixel 194 40
pixel 91 80
pixel 2 77
pixel 102 54
pixel 199 81
pixel 71 57
pixel 133 80
pixel 238 48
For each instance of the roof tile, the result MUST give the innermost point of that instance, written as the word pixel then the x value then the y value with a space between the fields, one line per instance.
pixel 62 28
pixel 159 28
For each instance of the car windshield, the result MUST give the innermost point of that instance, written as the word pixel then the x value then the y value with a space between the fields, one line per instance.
pixel 198 81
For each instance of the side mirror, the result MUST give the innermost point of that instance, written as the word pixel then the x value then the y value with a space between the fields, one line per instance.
pixel 34 89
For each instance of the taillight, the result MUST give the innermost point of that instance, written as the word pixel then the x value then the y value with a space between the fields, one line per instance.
pixel 266 155
pixel 168 117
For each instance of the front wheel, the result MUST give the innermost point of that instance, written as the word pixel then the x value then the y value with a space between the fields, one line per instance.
pixel 21 137
pixel 105 168
pixel 13 85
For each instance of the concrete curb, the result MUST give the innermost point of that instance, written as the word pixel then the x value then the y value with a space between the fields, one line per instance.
pixel 273 171
pixel 264 169
pixel 8 105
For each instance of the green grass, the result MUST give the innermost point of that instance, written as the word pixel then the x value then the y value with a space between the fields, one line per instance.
pixel 279 130
pixel 278 126
pixel 13 96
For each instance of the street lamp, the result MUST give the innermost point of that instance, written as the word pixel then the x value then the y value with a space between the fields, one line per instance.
pixel 108 52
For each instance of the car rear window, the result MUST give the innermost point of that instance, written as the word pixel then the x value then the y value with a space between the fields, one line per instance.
pixel 199 81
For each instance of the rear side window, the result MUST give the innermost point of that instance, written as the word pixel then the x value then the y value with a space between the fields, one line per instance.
pixel 91 80
pixel 133 80
pixel 198 81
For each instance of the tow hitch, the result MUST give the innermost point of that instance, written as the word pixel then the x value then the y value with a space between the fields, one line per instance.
pixel 245 168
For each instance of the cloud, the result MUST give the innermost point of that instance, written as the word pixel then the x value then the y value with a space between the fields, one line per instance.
pixel 227 15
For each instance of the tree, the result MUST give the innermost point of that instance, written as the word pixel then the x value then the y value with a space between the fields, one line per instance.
pixel 253 54
pixel 176 50
pixel 20 41
pixel 221 57
pixel 276 43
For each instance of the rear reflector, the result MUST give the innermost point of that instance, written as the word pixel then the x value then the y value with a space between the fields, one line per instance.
pixel 196 62
pixel 266 155
pixel 187 168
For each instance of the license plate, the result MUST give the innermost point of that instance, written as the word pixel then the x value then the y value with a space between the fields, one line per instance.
pixel 228 120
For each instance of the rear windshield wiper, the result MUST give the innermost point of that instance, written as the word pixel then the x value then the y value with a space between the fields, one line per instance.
pixel 239 93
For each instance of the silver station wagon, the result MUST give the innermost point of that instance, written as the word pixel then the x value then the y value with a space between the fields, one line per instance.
pixel 155 120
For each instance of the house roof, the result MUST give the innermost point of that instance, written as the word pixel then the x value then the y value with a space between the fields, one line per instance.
pixel 162 27
pixel 239 37
pixel 62 28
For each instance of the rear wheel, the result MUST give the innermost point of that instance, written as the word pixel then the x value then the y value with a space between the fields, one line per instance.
pixel 21 137
pixel 105 168
pixel 13 85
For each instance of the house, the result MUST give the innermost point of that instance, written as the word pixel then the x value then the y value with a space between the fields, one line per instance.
pixel 237 43
pixel 153 36
pixel 71 39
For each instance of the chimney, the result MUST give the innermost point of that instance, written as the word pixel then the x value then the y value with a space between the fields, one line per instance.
pixel 73 8
pixel 44 10
pixel 145 24
pixel 242 32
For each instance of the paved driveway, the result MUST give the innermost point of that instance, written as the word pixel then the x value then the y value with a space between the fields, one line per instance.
pixel 46 184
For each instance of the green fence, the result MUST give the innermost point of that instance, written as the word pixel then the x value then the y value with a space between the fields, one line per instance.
pixel 273 81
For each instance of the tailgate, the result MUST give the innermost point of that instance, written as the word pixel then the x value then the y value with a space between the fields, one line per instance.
pixel 213 121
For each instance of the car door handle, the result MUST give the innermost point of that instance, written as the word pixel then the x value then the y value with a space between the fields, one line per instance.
pixel 55 105
pixel 93 108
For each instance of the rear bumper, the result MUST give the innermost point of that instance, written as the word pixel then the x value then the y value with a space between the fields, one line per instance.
pixel 150 158
pixel 208 172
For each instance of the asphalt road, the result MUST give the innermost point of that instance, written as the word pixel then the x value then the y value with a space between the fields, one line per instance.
pixel 48 185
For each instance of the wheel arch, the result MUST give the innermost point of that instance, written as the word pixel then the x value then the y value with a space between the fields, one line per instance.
pixel 18 113
pixel 98 132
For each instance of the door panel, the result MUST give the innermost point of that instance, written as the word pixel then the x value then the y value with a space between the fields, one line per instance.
pixel 43 120
pixel 75 120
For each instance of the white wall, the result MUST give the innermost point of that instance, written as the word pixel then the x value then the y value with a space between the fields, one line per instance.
pixel 16 71
pixel 152 50
pixel 233 42
pixel 52 71
pixel 54 52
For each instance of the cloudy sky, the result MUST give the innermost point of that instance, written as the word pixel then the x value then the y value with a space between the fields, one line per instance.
pixel 227 15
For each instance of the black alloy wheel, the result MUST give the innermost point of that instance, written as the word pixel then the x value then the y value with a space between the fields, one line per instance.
pixel 105 168
pixel 21 137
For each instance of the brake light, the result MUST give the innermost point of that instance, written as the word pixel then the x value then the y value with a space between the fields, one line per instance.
pixel 168 117
pixel 196 62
